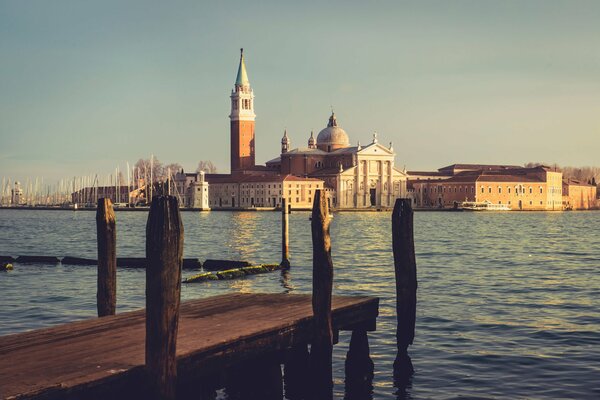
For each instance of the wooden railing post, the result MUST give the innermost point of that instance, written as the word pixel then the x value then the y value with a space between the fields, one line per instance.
pixel 322 344
pixel 164 256
pixel 285 234
pixel 106 232
pixel 405 267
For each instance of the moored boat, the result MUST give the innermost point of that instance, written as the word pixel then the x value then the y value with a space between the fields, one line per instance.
pixel 483 206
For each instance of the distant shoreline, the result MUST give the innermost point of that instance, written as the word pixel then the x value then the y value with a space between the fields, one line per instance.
pixel 271 209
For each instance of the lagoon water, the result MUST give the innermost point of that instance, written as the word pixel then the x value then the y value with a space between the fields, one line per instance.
pixel 508 303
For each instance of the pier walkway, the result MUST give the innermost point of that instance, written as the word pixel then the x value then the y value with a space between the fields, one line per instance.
pixel 104 356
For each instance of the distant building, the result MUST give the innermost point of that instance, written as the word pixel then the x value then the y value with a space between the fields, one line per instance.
pixel 537 188
pixel 352 176
pixel 579 195
pixel 16 195
pixel 90 195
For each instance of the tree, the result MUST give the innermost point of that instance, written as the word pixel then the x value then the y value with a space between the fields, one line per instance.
pixel 173 168
pixel 207 166
pixel 142 169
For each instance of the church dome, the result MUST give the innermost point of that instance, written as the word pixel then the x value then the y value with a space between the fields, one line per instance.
pixel 333 137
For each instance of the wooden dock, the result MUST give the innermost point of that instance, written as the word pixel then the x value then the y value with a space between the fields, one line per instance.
pixel 103 357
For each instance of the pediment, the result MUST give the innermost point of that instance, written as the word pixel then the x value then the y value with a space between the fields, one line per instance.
pixel 375 149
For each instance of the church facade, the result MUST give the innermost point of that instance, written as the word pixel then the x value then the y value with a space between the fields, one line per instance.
pixel 353 177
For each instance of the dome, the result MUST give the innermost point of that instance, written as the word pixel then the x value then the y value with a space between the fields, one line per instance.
pixel 333 137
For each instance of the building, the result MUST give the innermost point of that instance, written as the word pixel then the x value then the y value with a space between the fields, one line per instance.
pixel 537 188
pixel 252 191
pixel 251 186
pixel 579 195
pixel 355 176
pixel 16 195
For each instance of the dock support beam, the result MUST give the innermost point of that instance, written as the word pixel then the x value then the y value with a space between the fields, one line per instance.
pixel 406 283
pixel 285 234
pixel 164 254
pixel 322 345
pixel 359 367
pixel 106 233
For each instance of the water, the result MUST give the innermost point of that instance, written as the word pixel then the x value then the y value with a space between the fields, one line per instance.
pixel 508 303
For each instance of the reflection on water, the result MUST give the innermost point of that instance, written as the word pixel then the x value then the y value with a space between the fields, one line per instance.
pixel 507 302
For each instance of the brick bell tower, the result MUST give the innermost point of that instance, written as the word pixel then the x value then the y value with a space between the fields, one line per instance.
pixel 242 121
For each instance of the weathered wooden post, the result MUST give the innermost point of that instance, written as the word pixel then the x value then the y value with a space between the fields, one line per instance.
pixel 406 282
pixel 359 366
pixel 164 256
pixel 106 233
pixel 285 235
pixel 322 345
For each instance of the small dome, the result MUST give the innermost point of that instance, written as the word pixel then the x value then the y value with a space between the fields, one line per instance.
pixel 333 137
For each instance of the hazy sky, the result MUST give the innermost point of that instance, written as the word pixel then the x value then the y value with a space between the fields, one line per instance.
pixel 89 85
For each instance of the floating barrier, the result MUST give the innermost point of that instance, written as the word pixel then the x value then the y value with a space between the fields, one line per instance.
pixel 6 266
pixel 78 261
pixel 38 259
pixel 7 259
pixel 222 265
pixel 125 262
pixel 233 273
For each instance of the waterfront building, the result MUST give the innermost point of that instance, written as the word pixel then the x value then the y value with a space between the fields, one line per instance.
pixel 537 188
pixel 16 195
pixel 579 195
pixel 355 176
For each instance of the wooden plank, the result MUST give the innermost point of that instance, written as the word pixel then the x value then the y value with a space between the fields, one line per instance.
pixel 100 356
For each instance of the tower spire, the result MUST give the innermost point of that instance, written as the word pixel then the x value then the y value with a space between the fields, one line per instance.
pixel 242 75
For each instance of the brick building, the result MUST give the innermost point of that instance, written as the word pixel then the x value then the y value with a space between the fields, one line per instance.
pixel 538 188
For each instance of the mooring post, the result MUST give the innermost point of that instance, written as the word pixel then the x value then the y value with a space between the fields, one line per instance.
pixel 296 369
pixel 106 232
pixel 406 282
pixel 164 257
pixel 285 235
pixel 321 347
pixel 359 366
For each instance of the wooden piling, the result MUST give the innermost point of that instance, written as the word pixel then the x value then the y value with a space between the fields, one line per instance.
pixel 285 235
pixel 359 367
pixel 406 281
pixel 164 253
pixel 322 344
pixel 106 232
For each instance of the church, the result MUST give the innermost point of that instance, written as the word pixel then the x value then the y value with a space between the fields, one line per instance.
pixel 354 177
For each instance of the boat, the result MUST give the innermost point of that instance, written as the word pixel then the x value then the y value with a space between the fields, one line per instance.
pixel 483 206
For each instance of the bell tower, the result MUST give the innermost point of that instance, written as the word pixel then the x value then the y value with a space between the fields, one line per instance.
pixel 242 121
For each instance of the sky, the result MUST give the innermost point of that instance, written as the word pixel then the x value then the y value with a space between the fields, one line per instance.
pixel 86 86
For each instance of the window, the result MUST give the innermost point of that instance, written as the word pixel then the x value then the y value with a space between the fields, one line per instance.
pixel 489 189
pixel 508 188
pixel 500 190
pixel 297 200
pixel 482 190
pixel 530 190
pixel 541 190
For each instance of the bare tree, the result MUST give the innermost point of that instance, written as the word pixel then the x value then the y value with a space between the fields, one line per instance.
pixel 142 166
pixel 173 168
pixel 207 166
